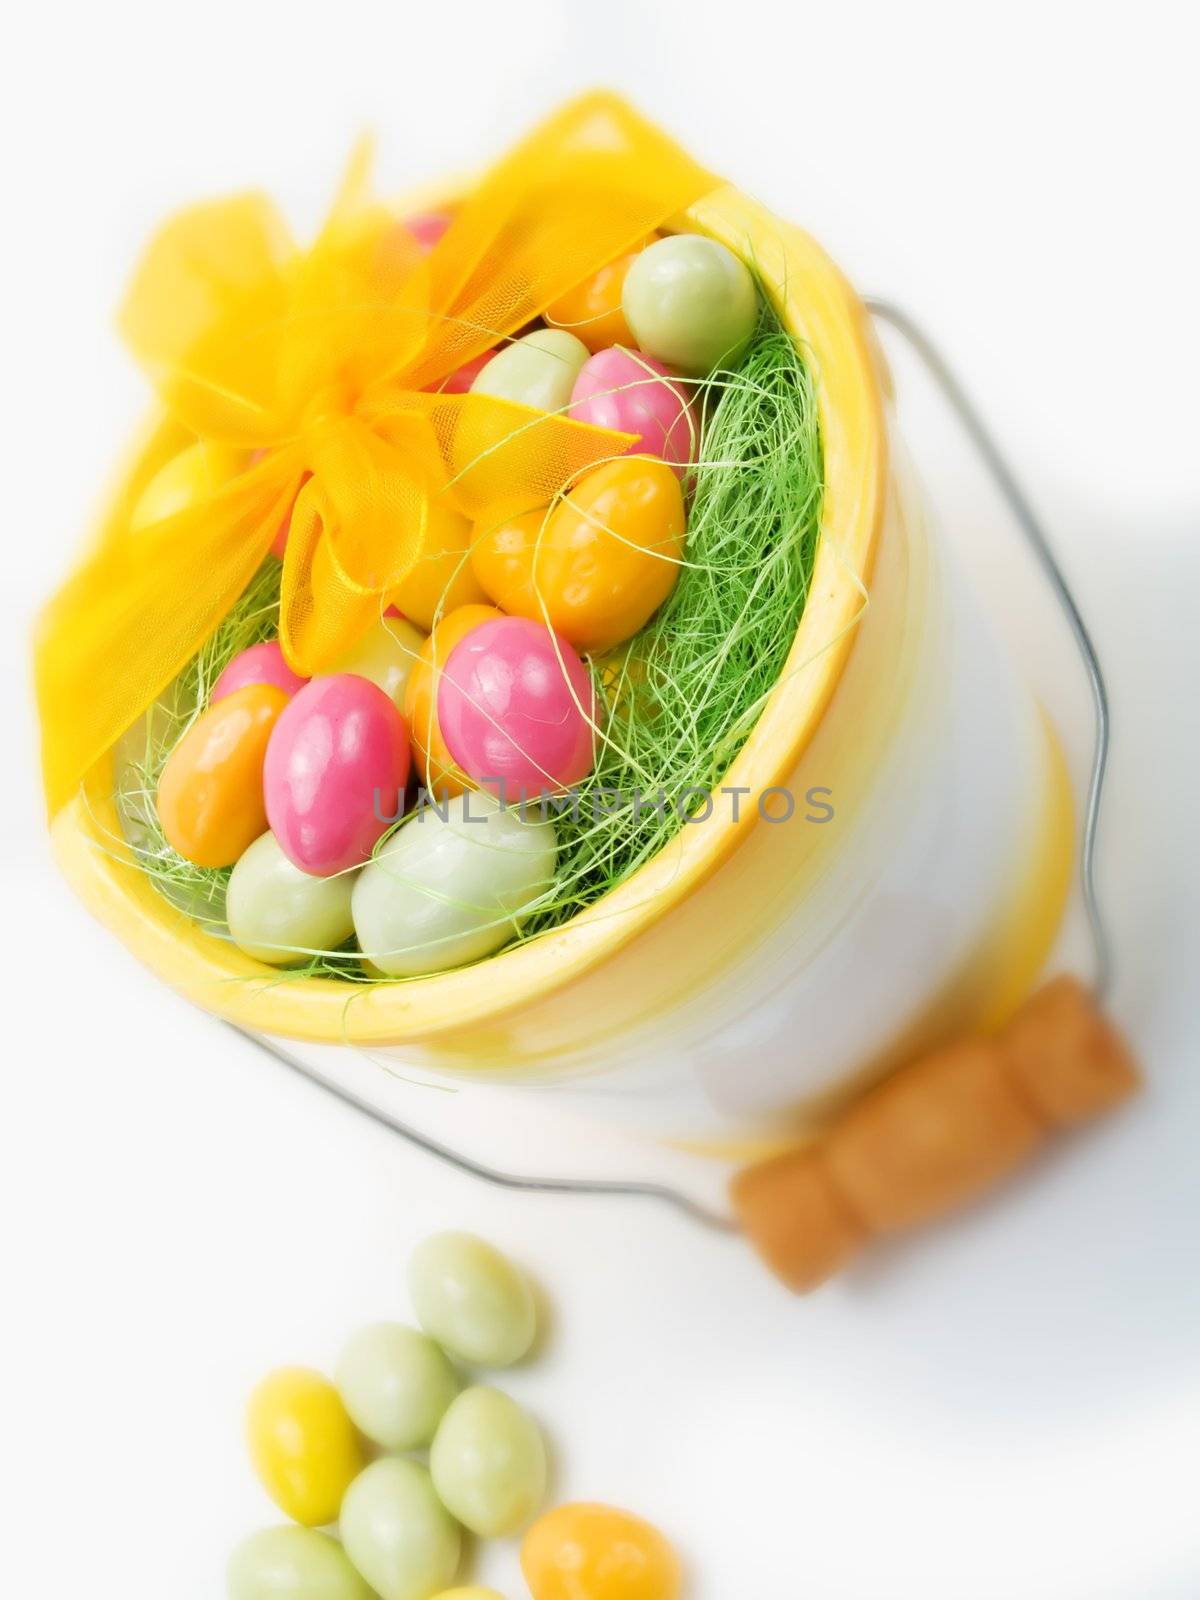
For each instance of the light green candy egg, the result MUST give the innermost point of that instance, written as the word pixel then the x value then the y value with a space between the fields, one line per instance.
pixel 472 1299
pixel 278 914
pixel 293 1564
pixel 452 885
pixel 396 1384
pixel 538 370
pixel 489 1463
pixel 691 303
pixel 397 1532
pixel 386 654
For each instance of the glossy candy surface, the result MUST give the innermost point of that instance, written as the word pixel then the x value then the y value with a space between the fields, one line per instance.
pixel 186 478
pixel 210 795
pixel 302 1444
pixel 447 889
pixel 335 773
pixel 293 1564
pixel 472 1299
pixel 261 663
pixel 632 393
pixel 280 915
pixel 538 370
pixel 397 1532
pixel 595 1552
pixel 385 655
pixel 442 579
pixel 396 1384
pixel 600 564
pixel 691 303
pixel 437 767
pixel 516 708
pixel 592 310
pixel 489 1462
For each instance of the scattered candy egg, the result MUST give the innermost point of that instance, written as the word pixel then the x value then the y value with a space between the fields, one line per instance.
pixel 210 794
pixel 441 579
pixel 452 885
pixel 463 378
pixel 335 773
pixel 438 771
pixel 594 1552
pixel 293 1564
pixel 280 915
pixel 472 1299
pixel 600 563
pixel 188 477
pixel 592 310
pixel 489 1462
pixel 427 227
pixel 516 707
pixel 691 303
pixel 632 393
pixel 261 663
pixel 386 655
pixel 538 370
pixel 303 1445
pixel 396 1384
pixel 397 1532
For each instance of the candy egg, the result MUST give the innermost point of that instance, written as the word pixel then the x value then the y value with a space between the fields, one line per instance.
pixel 397 1532
pixel 396 1384
pixel 472 1299
pixel 592 310
pixel 600 563
pixel 691 303
pixel 631 393
pixel 594 1552
pixel 261 663
pixel 489 1462
pixel 210 794
pixel 302 1444
pixel 438 772
pixel 293 1564
pixel 471 1592
pixel 442 579
pixel 386 655
pixel 188 477
pixel 451 886
pixel 280 915
pixel 516 708
pixel 335 773
pixel 462 378
pixel 427 227
pixel 538 370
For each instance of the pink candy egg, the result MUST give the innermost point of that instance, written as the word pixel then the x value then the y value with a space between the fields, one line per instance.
pixel 427 227
pixel 515 707
pixel 335 772
pixel 460 381
pixel 626 390
pixel 261 663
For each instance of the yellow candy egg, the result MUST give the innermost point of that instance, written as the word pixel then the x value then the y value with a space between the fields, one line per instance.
pixel 594 1552
pixel 185 479
pixel 442 578
pixel 303 1444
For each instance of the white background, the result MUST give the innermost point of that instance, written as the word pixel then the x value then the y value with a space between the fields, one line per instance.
pixel 179 1215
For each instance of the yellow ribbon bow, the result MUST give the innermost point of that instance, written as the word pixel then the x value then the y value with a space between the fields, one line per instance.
pixel 325 364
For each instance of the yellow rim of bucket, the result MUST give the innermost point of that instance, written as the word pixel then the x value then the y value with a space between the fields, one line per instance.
pixel 819 307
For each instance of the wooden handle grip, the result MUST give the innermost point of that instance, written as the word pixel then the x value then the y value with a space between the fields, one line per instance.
pixel 934 1135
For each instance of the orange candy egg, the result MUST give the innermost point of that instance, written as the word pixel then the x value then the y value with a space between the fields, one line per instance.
pixel 600 564
pixel 210 795
pixel 592 309
pixel 439 773
pixel 593 1552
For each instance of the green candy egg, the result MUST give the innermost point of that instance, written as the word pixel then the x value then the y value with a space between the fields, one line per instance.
pixel 396 1384
pixel 397 1532
pixel 386 654
pixel 489 1463
pixel 538 370
pixel 278 914
pixel 472 1299
pixel 691 303
pixel 293 1564
pixel 451 885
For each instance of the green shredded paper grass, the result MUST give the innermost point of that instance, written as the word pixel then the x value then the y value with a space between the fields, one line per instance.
pixel 676 703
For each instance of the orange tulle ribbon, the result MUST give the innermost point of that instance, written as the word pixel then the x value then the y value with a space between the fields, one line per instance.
pixel 323 366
